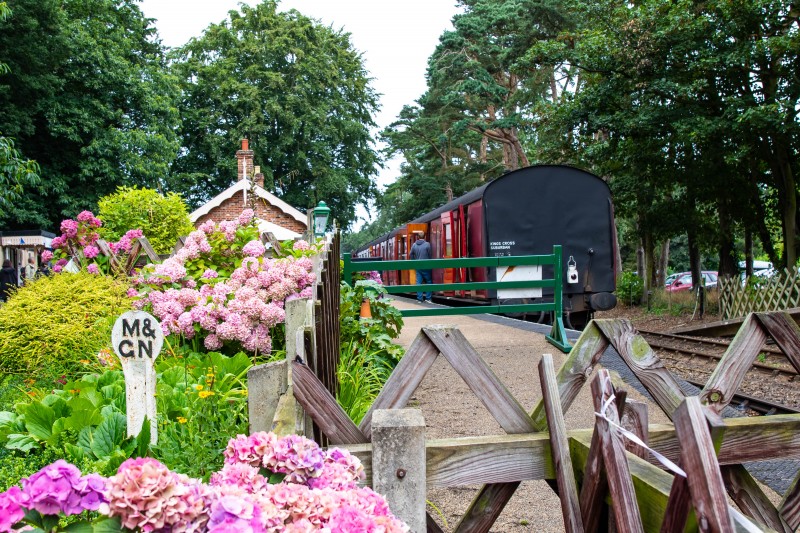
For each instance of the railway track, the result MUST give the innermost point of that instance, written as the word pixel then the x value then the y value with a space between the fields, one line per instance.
pixel 714 350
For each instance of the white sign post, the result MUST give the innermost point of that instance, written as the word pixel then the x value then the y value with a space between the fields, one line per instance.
pixel 137 340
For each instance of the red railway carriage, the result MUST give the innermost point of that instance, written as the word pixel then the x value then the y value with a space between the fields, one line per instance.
pixel 524 212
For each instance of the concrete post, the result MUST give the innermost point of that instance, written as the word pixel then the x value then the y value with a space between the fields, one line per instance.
pixel 265 385
pixel 398 463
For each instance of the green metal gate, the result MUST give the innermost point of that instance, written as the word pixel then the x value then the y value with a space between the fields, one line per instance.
pixel 557 336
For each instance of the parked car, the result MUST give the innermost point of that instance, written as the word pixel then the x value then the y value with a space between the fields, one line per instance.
pixel 683 281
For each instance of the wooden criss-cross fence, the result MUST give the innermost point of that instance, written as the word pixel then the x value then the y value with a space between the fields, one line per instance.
pixel 644 497
pixel 777 293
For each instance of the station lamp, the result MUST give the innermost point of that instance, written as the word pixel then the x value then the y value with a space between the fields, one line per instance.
pixel 321 214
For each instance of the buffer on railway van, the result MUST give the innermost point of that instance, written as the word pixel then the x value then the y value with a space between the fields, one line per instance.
pixel 557 336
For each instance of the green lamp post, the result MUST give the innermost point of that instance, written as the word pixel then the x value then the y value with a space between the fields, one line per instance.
pixel 321 214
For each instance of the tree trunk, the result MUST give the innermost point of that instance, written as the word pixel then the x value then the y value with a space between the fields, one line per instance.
pixel 663 262
pixel 748 251
pixel 760 217
pixel 694 258
pixel 727 253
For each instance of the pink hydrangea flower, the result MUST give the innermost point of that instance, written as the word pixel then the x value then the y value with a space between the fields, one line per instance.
pixel 12 502
pixel 85 216
pixel 69 228
pixel 301 245
pixel 47 255
pixel 59 488
pixel 93 269
pixel 246 217
pixel 254 249
pixel 90 252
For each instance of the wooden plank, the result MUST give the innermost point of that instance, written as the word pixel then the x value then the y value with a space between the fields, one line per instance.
pixel 483 511
pixel 652 487
pixel 700 464
pixel 634 419
pixel 786 333
pixel 644 363
pixel 595 485
pixel 790 506
pixel 620 486
pixel 565 476
pixel 745 491
pixel 404 380
pixel 731 369
pixel 724 328
pixel 575 371
pixel 678 506
pixel 326 413
pixel 148 250
pixel 486 386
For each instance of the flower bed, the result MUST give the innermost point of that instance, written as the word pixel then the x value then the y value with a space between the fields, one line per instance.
pixel 268 484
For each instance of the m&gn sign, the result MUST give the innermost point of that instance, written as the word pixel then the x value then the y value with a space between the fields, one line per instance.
pixel 137 340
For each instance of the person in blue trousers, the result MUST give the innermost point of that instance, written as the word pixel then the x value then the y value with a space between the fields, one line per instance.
pixel 421 249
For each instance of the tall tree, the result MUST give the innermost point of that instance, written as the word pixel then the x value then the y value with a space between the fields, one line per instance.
pixel 88 98
pixel 298 90
pixel 15 171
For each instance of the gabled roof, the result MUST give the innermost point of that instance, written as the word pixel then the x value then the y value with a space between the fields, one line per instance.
pixel 244 185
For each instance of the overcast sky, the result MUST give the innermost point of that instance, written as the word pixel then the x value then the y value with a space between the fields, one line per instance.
pixel 396 38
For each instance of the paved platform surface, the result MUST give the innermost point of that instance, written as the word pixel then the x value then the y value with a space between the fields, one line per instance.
pixel 513 348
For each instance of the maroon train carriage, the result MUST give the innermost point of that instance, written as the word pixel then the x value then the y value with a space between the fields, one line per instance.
pixel 524 212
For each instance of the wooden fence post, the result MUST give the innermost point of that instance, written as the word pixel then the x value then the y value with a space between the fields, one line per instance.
pixel 398 463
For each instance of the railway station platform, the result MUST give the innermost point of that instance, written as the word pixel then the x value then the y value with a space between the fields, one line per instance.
pixel 512 348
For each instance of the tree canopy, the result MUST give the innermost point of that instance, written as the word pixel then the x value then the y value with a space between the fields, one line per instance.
pixel 89 98
pixel 689 110
pixel 297 89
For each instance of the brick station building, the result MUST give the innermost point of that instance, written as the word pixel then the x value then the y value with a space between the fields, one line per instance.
pixel 273 214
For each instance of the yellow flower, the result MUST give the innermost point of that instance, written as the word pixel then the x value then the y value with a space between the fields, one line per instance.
pixel 205 394
pixel 181 419
pixel 198 387
pixel 85 361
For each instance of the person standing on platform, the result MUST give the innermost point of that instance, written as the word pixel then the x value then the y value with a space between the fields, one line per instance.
pixel 8 280
pixel 30 270
pixel 421 249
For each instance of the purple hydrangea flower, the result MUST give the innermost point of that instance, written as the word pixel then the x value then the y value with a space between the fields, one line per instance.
pixel 90 252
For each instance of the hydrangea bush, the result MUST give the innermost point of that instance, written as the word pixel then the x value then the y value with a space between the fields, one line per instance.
pixel 268 484
pixel 78 241
pixel 220 288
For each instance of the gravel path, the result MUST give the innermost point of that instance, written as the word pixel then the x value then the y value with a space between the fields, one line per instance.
pixel 451 410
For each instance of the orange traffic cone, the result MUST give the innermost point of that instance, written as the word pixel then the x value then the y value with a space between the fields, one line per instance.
pixel 365 310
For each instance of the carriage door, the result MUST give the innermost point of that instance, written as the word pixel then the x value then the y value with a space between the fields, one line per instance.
pixel 410 238
pixel 448 248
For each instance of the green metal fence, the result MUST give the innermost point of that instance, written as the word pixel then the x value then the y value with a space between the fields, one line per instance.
pixel 557 335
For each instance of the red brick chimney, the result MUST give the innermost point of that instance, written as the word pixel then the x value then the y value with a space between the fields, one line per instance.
pixel 244 158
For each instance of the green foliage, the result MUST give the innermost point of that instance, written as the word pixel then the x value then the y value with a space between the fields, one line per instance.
pixel 15 173
pixel 367 355
pixel 361 374
pixel 90 99
pixel 297 89
pixel 630 288
pixel 202 403
pixel 161 218
pixel 49 326
pixel 83 422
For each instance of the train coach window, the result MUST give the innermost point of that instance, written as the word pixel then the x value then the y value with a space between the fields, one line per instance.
pixel 448 241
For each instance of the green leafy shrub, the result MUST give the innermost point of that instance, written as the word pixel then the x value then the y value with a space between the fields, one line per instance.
pixel 201 403
pixel 50 325
pixel 630 288
pixel 367 355
pixel 162 218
